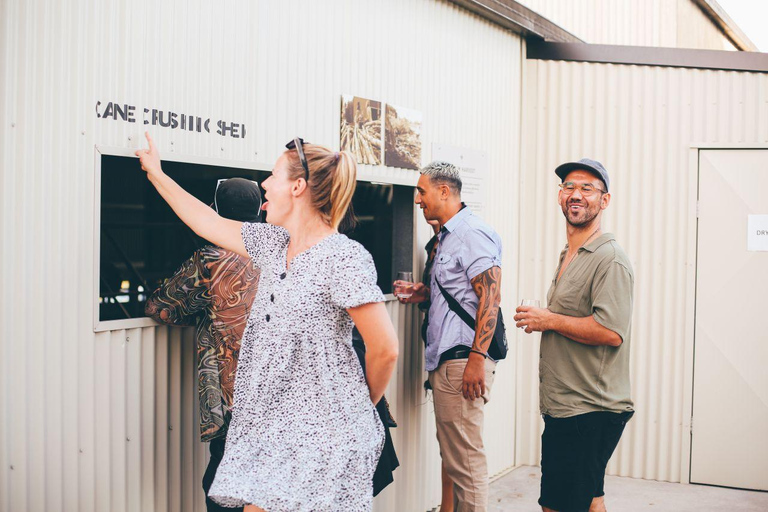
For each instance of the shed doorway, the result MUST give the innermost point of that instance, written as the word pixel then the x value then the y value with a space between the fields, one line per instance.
pixel 729 445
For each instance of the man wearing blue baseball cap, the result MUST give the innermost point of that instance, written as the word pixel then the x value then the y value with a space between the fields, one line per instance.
pixel 584 389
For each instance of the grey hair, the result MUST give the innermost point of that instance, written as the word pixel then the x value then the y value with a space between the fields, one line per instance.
pixel 443 173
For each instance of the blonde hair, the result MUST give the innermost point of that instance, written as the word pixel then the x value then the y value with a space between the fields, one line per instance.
pixel 332 180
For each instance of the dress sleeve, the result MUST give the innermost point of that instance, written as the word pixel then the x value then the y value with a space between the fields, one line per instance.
pixel 354 280
pixel 263 241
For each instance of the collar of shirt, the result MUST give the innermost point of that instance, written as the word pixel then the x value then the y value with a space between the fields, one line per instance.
pixel 597 242
pixel 431 244
pixel 455 220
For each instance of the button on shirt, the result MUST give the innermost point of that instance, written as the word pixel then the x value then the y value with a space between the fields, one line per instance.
pixel 467 248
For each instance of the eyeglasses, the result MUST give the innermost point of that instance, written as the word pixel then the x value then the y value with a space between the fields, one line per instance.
pixel 298 145
pixel 216 194
pixel 586 189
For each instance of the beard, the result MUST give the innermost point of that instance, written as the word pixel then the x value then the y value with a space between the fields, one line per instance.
pixel 582 216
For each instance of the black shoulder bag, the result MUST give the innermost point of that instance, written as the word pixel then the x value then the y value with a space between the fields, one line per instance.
pixel 498 347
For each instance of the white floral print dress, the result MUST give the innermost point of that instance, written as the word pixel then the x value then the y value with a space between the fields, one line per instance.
pixel 304 434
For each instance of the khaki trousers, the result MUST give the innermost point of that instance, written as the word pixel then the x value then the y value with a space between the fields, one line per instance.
pixel 460 433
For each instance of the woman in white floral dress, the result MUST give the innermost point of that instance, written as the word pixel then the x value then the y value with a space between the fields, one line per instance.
pixel 305 435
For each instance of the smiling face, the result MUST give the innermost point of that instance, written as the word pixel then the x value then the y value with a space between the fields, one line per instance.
pixel 581 209
pixel 428 197
pixel 279 193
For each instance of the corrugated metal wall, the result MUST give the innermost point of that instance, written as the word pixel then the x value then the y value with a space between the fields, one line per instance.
pixel 671 23
pixel 640 122
pixel 107 421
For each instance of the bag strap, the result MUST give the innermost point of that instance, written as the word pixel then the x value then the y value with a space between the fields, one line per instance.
pixel 456 307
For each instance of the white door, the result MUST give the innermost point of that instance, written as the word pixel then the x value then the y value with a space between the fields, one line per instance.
pixel 729 440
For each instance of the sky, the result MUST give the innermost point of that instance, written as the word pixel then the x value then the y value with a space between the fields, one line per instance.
pixel 752 18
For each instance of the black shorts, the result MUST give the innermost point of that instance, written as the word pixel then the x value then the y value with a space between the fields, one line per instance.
pixel 574 454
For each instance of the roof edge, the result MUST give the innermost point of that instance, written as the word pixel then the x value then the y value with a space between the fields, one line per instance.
pixel 518 18
pixel 723 21
pixel 649 56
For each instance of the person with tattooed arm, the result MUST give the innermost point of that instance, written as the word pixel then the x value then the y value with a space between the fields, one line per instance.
pixel 467 265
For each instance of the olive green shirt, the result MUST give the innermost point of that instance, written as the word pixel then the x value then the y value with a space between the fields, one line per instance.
pixel 577 378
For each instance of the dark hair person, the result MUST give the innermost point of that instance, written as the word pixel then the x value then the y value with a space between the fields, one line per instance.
pixel 214 290
pixel 305 435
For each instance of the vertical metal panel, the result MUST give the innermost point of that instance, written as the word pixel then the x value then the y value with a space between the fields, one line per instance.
pixel 147 437
pixel 160 420
pixel 175 424
pixel 108 421
pixel 640 122
pixel 134 396
pixel 6 418
pixel 679 24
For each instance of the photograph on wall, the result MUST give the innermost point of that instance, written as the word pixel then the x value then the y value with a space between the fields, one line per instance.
pixel 402 135
pixel 361 129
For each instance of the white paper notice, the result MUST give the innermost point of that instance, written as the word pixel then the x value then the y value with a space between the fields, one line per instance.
pixel 473 166
pixel 757 232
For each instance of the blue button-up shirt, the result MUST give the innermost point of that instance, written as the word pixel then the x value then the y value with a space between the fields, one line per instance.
pixel 467 248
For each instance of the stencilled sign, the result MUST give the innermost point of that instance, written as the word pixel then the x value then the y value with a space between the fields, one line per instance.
pixel 168 119
pixel 757 232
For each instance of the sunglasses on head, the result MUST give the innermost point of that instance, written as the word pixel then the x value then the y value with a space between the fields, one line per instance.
pixel 298 145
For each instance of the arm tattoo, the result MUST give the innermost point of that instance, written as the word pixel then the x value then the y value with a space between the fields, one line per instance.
pixel 487 287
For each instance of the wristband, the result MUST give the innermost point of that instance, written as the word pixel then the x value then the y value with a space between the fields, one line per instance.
pixel 478 352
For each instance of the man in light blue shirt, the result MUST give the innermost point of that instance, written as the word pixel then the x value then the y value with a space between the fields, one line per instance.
pixel 468 266
pixel 467 247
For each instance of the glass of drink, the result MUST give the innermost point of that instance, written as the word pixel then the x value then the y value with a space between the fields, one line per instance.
pixel 534 303
pixel 404 285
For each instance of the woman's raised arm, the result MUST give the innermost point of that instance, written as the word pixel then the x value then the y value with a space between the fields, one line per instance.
pixel 193 212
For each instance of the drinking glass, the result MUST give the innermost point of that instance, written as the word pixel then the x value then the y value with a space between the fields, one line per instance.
pixel 405 289
pixel 534 303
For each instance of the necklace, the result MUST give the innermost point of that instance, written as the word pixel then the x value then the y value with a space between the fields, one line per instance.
pixel 568 259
